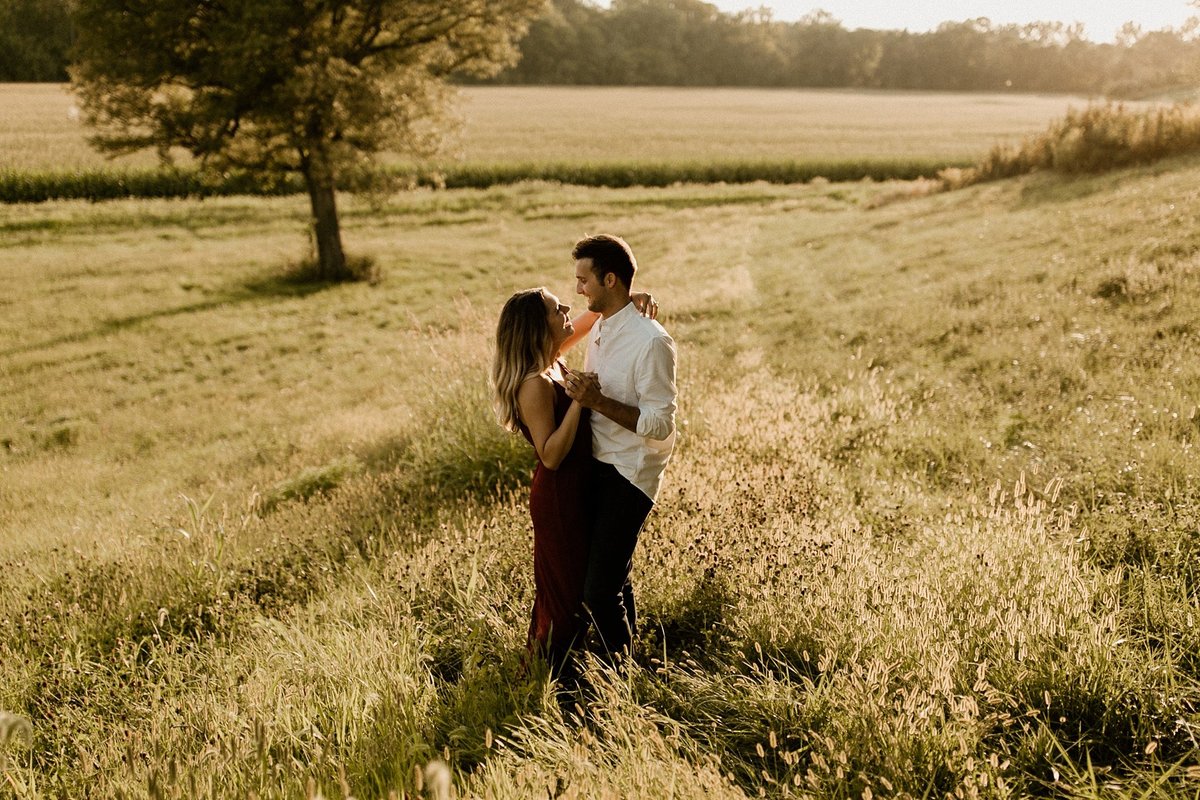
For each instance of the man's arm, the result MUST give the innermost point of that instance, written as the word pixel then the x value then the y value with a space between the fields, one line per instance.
pixel 655 382
pixel 625 416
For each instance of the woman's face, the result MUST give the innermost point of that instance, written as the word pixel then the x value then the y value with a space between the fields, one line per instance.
pixel 557 317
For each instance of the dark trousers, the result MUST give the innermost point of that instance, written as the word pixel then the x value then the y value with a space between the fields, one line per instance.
pixel 618 510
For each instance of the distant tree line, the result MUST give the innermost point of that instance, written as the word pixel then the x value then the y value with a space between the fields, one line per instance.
pixel 692 43
pixel 35 40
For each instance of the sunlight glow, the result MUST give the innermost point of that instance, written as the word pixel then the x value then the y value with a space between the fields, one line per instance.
pixel 1101 20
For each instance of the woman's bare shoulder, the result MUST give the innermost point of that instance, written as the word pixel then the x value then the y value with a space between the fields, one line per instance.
pixel 536 386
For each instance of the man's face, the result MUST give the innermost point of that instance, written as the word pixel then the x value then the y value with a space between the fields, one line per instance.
pixel 589 286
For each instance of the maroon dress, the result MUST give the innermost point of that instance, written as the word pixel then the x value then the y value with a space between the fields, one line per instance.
pixel 560 542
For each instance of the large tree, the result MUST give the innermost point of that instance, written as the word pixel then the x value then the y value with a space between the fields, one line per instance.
pixel 315 87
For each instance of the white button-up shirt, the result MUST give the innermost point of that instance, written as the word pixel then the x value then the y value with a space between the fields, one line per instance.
pixel 634 358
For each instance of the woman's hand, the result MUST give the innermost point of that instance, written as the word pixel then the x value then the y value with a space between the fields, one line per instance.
pixel 584 388
pixel 645 304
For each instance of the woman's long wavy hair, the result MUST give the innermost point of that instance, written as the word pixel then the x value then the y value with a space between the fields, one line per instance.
pixel 523 348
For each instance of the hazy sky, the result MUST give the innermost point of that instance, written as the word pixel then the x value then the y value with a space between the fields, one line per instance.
pixel 1101 18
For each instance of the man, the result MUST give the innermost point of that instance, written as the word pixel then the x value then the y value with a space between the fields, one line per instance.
pixel 629 383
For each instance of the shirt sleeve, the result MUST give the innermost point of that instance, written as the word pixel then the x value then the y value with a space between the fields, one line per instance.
pixel 655 384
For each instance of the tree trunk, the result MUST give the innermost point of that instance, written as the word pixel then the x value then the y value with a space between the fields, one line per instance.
pixel 331 259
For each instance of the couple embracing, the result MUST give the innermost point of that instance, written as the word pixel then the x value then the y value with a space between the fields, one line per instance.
pixel 603 437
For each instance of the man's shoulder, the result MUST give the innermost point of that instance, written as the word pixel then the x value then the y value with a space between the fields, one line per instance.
pixel 652 341
pixel 650 329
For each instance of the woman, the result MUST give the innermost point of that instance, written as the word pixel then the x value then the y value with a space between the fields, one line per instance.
pixel 533 332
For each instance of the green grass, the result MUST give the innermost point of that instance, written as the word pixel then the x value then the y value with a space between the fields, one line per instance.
pixel 110 184
pixel 931 525
pixel 119 183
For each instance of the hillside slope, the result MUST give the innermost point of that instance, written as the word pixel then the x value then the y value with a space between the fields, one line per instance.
pixel 931 526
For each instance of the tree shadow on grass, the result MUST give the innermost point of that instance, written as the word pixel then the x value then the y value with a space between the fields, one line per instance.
pixel 289 284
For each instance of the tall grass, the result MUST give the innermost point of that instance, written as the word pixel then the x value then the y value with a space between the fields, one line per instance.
pixel 1095 139
pixel 929 530
pixel 229 579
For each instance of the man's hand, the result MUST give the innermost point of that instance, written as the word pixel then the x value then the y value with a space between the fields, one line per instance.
pixel 584 388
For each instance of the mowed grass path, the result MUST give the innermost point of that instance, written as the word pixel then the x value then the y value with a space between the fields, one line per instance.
pixel 931 525
pixel 40 129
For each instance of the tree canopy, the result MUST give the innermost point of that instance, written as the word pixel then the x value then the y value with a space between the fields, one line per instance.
pixel 315 87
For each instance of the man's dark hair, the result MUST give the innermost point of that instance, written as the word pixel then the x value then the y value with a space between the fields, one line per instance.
pixel 608 254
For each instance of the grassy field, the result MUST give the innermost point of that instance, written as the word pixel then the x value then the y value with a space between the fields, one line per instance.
pixel 40 129
pixel 930 530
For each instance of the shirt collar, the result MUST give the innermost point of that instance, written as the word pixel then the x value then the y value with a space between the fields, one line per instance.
pixel 617 321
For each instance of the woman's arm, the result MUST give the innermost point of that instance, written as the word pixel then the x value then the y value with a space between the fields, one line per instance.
pixel 582 324
pixel 535 402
